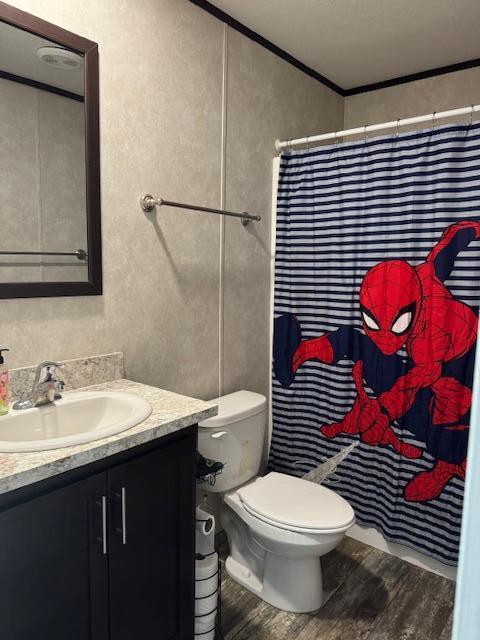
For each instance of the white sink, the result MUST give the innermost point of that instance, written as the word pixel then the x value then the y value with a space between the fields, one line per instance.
pixel 75 419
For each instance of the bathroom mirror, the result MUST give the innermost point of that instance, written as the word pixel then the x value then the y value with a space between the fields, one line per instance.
pixel 50 232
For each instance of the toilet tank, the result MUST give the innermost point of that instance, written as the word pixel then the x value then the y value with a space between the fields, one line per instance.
pixel 235 436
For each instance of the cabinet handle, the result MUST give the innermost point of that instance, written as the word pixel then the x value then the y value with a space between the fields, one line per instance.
pixel 103 538
pixel 104 525
pixel 124 515
pixel 123 499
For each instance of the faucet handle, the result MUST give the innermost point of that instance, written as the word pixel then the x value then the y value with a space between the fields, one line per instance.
pixel 46 370
pixel 59 387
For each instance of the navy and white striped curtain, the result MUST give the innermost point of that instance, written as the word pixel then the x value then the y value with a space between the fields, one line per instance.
pixel 376 289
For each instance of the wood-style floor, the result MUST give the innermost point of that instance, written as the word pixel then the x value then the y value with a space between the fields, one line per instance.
pixel 369 595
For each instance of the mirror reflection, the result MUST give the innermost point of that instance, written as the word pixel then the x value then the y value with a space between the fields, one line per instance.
pixel 43 225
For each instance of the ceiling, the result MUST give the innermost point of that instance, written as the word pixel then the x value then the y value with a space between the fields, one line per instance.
pixel 18 55
pixel 360 42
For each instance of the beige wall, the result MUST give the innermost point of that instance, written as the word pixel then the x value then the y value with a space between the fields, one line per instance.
pixel 61 156
pixel 162 110
pixel 267 99
pixel 440 93
pixel 18 177
pixel 42 183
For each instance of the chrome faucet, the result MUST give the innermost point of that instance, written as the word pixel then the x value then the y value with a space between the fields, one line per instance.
pixel 46 388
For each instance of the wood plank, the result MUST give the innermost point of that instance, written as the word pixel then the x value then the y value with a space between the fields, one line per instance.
pixel 360 601
pixel 253 623
pixel 421 610
pixel 237 602
pixel 240 607
pixel 368 595
pixel 337 567
pixel 340 563
pixel 284 625
pixel 447 632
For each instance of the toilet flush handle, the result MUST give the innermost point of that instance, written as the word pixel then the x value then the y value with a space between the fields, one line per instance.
pixel 218 435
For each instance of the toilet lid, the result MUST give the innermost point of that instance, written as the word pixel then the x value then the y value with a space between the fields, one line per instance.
pixel 293 502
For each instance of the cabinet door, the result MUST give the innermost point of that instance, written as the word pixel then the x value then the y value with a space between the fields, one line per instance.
pixel 52 567
pixel 152 545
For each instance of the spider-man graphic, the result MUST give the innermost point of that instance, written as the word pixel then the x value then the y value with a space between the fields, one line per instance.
pixel 429 392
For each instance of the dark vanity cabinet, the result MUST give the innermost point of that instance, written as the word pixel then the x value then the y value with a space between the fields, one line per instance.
pixel 52 572
pixel 104 552
pixel 151 545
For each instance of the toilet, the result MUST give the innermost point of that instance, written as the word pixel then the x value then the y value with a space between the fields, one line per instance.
pixel 278 526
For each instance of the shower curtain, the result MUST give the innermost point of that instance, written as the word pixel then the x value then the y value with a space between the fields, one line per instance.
pixel 377 276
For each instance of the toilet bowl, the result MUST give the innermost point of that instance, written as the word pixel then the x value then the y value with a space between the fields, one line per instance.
pixel 278 526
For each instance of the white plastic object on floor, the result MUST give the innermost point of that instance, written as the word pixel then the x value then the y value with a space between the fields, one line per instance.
pixel 206 597
pixel 327 468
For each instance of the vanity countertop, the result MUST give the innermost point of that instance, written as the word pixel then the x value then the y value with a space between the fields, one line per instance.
pixel 171 412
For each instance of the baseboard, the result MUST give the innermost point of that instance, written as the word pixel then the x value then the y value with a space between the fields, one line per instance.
pixel 375 539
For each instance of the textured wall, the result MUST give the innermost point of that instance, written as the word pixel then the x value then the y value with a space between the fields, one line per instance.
pixel 452 90
pixel 61 157
pixel 161 74
pixel 19 177
pixel 267 99
pixel 42 167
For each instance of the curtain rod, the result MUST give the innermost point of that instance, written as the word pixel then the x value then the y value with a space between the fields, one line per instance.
pixel 401 122
pixel 148 204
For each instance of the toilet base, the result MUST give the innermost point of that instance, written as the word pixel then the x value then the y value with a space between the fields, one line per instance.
pixel 289 584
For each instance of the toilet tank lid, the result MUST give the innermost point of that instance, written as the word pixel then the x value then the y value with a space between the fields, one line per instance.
pixel 234 407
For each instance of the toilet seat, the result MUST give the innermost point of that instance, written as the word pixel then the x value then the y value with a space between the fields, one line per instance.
pixel 296 505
